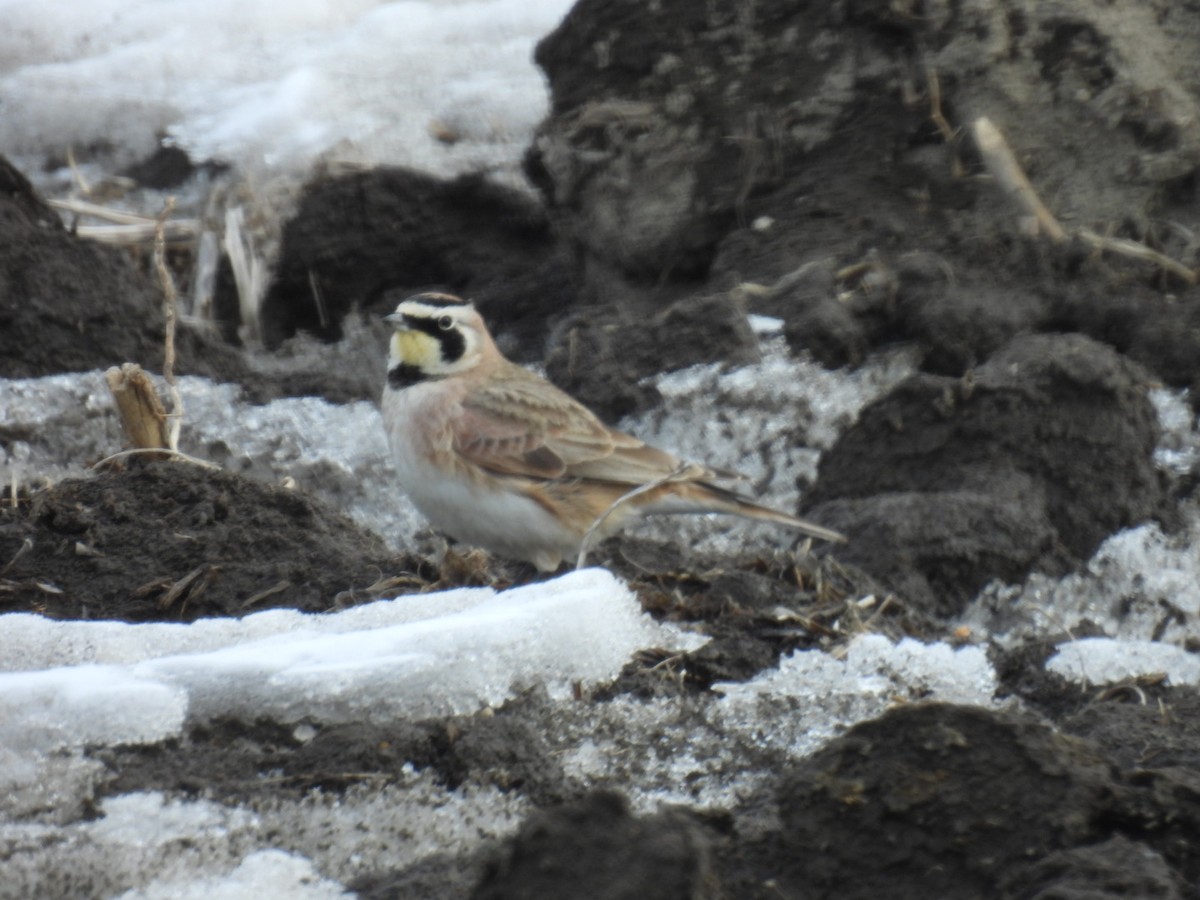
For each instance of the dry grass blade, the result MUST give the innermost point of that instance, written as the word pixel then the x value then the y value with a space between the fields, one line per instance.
pixel 190 586
pixel 26 546
pixel 586 544
pixel 249 272
pixel 255 599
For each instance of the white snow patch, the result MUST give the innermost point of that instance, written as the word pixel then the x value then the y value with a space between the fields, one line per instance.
pixel 266 873
pixel 1105 661
pixel 166 847
pixel 48 710
pixel 273 86
pixel 436 654
pixel 828 694
pixel 1140 585
pixel 1178 450
pixel 694 751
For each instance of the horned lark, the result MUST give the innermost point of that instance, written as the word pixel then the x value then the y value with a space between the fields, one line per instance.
pixel 498 457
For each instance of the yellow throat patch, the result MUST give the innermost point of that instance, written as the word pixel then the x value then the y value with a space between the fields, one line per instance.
pixel 416 348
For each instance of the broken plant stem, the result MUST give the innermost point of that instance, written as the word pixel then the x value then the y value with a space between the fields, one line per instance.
pixel 1125 247
pixel 1003 166
pixel 143 418
pixel 170 314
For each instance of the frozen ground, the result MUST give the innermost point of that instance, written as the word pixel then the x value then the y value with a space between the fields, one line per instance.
pixel 768 421
pixel 446 87
pixel 73 684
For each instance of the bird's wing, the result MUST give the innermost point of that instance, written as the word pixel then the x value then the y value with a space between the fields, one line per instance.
pixel 523 425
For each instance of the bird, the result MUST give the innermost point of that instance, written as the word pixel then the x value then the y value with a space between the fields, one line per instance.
pixel 495 456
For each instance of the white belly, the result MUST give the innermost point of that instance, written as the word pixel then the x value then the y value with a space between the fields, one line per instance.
pixel 483 513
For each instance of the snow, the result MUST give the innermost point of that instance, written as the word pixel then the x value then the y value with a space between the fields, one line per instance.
pixel 1140 585
pixel 826 694
pixel 768 421
pixel 1105 661
pixel 263 874
pixel 271 86
pixel 439 654
pixel 695 753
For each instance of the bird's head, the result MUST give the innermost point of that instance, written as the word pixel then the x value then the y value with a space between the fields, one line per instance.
pixel 436 335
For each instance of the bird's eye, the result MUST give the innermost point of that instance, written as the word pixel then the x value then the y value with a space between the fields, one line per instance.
pixel 445 323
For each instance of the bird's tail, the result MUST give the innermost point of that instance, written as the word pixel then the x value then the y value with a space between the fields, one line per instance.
pixel 699 496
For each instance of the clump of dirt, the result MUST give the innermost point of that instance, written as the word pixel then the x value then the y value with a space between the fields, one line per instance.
pixel 597 848
pixel 173 541
pixel 753 609
pixel 724 147
pixel 939 800
pixel 231 759
pixel 602 355
pixel 364 241
pixel 71 305
pixel 945 484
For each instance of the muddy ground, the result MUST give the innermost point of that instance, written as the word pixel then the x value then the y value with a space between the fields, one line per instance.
pixel 809 161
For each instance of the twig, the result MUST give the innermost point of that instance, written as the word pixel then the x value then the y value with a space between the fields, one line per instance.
pixel 170 312
pixel 935 106
pixel 949 134
pixel 1125 247
pixel 78 175
pixel 585 545
pixel 84 208
pixel 1003 166
pixel 26 546
pixel 174 454
pixel 127 227
pixel 181 231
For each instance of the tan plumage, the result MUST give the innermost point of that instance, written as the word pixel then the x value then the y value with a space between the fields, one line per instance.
pixel 496 456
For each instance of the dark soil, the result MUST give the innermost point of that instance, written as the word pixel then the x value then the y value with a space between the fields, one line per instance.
pixel 702 160
pixel 174 541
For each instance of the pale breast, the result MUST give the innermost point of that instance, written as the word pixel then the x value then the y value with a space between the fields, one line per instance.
pixel 465 502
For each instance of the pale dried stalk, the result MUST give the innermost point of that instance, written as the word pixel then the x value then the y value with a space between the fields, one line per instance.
pixel 181 231
pixel 143 418
pixel 127 227
pixel 170 314
pixel 1003 166
pixel 1126 247
pixel 248 272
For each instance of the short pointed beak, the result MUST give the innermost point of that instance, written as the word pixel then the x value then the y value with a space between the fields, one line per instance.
pixel 397 321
